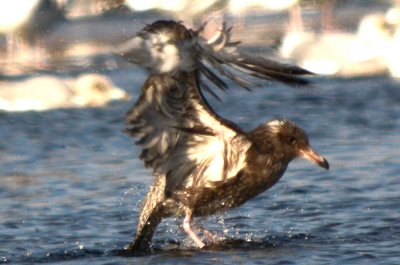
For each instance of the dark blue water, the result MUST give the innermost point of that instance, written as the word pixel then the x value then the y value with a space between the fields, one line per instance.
pixel 71 183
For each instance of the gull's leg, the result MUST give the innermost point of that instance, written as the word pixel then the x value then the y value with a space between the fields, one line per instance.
pixel 186 226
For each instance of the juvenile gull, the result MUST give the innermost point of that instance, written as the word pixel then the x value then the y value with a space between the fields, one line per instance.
pixel 201 162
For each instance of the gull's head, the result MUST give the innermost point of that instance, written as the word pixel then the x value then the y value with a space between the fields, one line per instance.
pixel 162 47
pixel 293 142
pixel 289 141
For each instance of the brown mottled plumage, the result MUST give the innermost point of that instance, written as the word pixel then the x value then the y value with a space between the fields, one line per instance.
pixel 202 163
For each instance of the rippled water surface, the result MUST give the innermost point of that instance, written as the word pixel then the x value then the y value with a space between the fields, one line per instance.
pixel 71 183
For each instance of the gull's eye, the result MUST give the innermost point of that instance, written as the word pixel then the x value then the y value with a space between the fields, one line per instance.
pixel 292 139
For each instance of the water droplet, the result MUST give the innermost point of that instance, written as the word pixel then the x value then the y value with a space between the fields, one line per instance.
pixel 249 237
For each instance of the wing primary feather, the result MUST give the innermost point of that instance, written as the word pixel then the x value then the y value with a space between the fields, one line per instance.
pixel 210 91
pixel 199 130
pixel 273 66
pixel 268 73
pixel 210 75
pixel 223 52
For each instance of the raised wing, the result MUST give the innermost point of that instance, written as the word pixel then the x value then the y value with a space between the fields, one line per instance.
pixel 181 137
pixel 168 46
pixel 225 57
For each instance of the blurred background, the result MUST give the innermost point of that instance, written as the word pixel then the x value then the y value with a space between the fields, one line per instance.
pixel 71 182
pixel 330 37
pixel 336 37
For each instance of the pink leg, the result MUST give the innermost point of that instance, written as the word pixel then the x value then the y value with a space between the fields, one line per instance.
pixel 186 226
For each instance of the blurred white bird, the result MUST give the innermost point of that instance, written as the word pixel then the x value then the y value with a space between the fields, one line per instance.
pixel 49 92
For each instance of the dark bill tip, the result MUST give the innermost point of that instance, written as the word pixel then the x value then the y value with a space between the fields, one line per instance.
pixel 324 163
pixel 314 157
